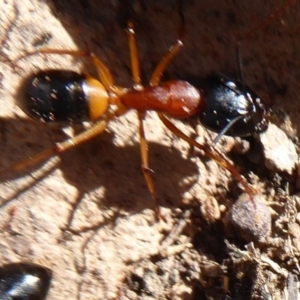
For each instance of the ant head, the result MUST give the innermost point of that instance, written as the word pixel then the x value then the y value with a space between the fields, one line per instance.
pixel 230 107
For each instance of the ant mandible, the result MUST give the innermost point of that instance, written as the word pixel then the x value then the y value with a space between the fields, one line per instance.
pixel 225 106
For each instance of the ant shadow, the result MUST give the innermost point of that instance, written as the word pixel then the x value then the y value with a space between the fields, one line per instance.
pixel 100 163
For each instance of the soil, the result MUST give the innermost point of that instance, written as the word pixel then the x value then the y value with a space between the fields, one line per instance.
pixel 88 216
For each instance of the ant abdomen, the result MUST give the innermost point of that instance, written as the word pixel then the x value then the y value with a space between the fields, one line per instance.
pixel 62 96
pixel 232 108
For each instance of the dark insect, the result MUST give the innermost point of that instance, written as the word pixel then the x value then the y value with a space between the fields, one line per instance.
pixel 24 281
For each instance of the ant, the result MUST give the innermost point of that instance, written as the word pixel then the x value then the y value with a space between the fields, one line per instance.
pixel 224 106
pixel 61 95
pixel 24 281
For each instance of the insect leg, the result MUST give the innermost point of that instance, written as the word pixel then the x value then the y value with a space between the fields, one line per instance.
pixel 160 68
pixel 103 71
pixel 217 157
pixel 90 133
pixel 135 65
pixel 135 68
pixel 145 163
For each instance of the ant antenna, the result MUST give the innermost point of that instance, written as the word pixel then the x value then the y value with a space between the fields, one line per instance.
pixel 275 15
pixel 240 63
pixel 225 129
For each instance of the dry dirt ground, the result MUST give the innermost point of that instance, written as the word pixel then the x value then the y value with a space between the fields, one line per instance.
pixel 88 215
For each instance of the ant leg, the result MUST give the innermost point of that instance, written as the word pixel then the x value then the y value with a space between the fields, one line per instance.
pixel 90 133
pixel 135 66
pixel 160 68
pixel 145 164
pixel 103 71
pixel 217 157
pixel 173 50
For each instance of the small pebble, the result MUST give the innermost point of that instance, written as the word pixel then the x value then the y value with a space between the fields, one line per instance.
pixel 279 151
pixel 253 220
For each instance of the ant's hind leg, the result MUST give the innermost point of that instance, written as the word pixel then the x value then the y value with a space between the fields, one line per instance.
pixel 90 133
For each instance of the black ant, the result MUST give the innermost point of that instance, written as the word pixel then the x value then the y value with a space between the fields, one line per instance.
pixel 224 106
pixel 24 281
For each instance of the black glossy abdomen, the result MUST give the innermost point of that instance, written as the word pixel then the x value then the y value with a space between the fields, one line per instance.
pixel 54 96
